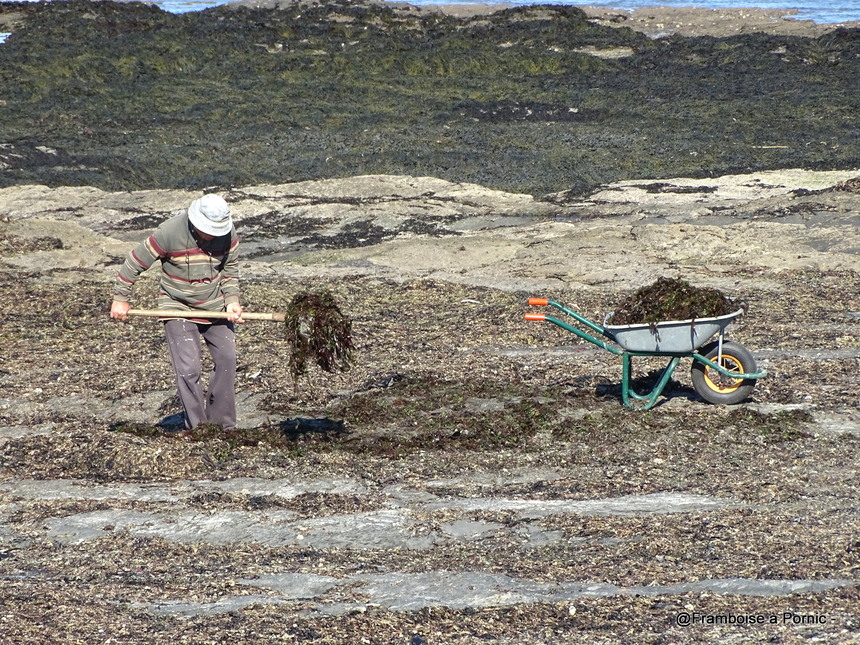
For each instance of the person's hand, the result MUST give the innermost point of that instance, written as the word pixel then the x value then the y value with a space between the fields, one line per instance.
pixel 235 311
pixel 119 310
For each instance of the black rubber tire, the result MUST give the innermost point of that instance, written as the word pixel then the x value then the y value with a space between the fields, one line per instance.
pixel 718 388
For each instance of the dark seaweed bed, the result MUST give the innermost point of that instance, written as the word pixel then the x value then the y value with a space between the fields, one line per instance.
pixel 127 96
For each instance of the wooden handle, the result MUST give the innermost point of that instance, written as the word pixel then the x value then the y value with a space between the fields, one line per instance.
pixel 166 313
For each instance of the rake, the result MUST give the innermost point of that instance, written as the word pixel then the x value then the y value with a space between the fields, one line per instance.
pixel 314 328
pixel 165 313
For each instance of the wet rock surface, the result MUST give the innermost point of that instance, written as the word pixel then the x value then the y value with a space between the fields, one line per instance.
pixel 474 477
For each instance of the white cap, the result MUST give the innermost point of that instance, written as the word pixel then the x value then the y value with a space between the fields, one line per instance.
pixel 211 215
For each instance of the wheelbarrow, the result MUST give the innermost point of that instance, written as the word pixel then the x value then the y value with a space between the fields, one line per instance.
pixel 723 372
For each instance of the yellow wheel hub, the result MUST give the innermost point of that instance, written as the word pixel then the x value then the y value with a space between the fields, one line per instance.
pixel 730 363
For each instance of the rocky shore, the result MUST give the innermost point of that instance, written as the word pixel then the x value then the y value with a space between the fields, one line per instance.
pixel 655 22
pixel 533 100
pixel 475 477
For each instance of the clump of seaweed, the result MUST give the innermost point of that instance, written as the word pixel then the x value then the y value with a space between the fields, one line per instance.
pixel 317 330
pixel 671 299
pixel 849 185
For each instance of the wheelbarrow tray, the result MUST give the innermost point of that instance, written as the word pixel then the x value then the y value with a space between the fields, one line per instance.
pixel 669 337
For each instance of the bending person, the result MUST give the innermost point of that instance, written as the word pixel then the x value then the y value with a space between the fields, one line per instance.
pixel 198 251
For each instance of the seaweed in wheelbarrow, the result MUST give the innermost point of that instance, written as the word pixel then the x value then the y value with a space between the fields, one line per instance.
pixel 723 372
pixel 671 299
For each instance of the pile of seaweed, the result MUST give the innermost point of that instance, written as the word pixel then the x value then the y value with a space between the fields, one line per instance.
pixel 671 299
pixel 316 329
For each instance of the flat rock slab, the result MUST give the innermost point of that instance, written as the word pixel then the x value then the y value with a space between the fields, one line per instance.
pixel 464 590
pixel 713 230
pixel 393 527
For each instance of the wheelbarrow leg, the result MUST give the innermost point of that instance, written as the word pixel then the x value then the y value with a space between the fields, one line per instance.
pixel 643 401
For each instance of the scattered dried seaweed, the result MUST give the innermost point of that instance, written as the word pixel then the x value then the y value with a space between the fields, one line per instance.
pixel 448 423
pixel 11 244
pixel 315 328
pixel 849 185
pixel 671 299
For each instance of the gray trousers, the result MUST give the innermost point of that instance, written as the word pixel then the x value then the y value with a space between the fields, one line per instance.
pixel 218 405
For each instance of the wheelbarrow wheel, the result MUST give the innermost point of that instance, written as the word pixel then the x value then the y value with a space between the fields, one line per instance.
pixel 718 388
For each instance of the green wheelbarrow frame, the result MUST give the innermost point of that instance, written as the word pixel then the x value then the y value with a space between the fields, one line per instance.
pixel 682 339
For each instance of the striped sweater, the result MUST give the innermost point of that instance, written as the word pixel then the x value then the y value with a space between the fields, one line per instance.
pixel 195 273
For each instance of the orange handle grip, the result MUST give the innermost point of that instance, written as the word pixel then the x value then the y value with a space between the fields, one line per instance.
pixel 535 316
pixel 538 301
